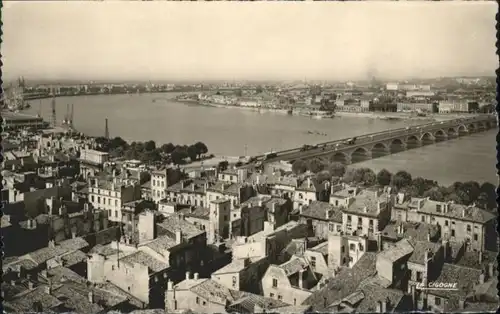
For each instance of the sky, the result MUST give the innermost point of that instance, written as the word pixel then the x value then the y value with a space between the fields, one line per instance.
pixel 253 40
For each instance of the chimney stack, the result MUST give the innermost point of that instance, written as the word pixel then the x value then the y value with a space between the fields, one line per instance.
pixel 379 241
pixel 461 304
pixel 379 207
pixel 196 276
pixel 308 182
pixel 414 297
pixel 385 303
pixel 301 279
pixel 91 296
pixel 170 285
pixel 327 214
pixel 445 250
pixel 178 237
pixel 188 275
pixel 30 285
pixel 491 270
pixel 48 289
pixel 480 257
pixel 379 307
pixel 481 278
pixel 428 236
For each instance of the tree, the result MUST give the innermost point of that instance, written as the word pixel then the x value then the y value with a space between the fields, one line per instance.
pixel 201 148
pixel 167 148
pixel 223 165
pixel 354 175
pixel 384 177
pixel 178 155
pixel 323 176
pixel 337 169
pixel 490 191
pixel 238 93
pixel 369 177
pixel 401 179
pixel 192 152
pixel 150 146
pixel 259 89
pixel 299 166
pixel 434 194
pixel 315 165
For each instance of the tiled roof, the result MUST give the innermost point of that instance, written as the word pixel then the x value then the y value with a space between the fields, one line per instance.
pixel 465 278
pixel 318 210
pixel 374 293
pixel 18 263
pixel 248 301
pixel 161 243
pixel 294 266
pixel 60 274
pixel 199 212
pixel 471 259
pixel 212 291
pixel 397 251
pixel 458 211
pixel 236 265
pixel 145 259
pixel 419 249
pixel 173 223
pixel 11 291
pixel 345 283
pixel 25 302
pixel 413 230
pixel 321 248
pixel 105 250
pixel 74 258
pixel 366 203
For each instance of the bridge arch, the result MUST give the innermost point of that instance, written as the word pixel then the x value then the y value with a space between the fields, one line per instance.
pixel 340 157
pixel 397 145
pixel 427 138
pixel 452 132
pixel 360 154
pixel 440 135
pixel 379 150
pixel 462 129
pixel 472 128
pixel 412 141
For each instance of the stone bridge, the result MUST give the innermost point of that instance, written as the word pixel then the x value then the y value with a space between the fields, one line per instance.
pixel 390 142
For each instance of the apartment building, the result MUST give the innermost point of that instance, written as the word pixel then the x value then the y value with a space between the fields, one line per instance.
pixel 458 223
pixel 290 282
pixel 110 194
pixel 161 179
pixel 324 218
pixel 242 274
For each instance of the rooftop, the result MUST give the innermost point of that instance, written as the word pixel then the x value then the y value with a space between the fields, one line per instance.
pixel 465 278
pixel 319 210
pixel 457 211
pixel 145 259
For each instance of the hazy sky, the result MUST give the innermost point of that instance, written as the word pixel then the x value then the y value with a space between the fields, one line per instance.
pixel 227 40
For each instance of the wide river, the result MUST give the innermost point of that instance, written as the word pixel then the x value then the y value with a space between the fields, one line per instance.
pixel 237 132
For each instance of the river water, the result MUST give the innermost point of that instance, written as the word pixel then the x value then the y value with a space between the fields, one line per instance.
pixel 237 132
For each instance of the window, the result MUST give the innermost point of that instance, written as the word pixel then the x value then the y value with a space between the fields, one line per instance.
pixel 475 237
pixel 204 303
pixel 336 202
pixel 128 288
pixel 342 249
pixel 349 218
pixel 350 259
pixel 234 281
pixel 116 213
pixel 419 276
pixel 275 283
pixel 280 297
pixel 116 202
pixel 313 261
pixel 98 200
pixel 225 217
pixel 352 247
pixel 330 227
pixel 452 233
pixel 452 222
pixel 109 201
pixel 361 248
pixel 423 219
pixel 437 301
pixel 371 222
pixel 271 295
pixel 446 222
pixel 360 221
pixel 92 198
pixel 301 196
pixel 294 301
pixel 197 300
pixel 339 228
pixel 112 267
pixel 469 229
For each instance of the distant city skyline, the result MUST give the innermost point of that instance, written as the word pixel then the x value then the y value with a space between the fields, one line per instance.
pixel 242 41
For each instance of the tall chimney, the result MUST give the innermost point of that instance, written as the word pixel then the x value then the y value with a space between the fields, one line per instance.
pixel 188 275
pixel 445 250
pixel 301 279
pixel 196 276
pixel 308 182
pixel 480 257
